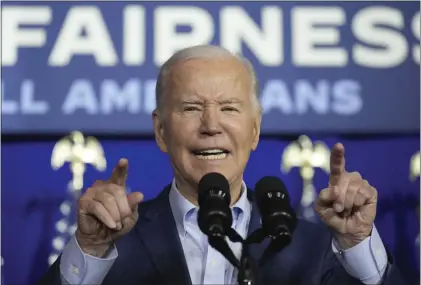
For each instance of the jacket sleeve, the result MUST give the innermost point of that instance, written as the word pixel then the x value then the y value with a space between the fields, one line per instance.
pixel 74 267
pixel 52 276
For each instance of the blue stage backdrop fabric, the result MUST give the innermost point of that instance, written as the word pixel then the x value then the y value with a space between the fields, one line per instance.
pixel 32 192
pixel 322 66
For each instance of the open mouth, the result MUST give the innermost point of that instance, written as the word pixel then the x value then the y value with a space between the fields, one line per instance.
pixel 211 153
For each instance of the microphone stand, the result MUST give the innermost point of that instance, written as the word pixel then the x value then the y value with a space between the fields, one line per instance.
pixel 217 239
pixel 246 266
pixel 219 243
pixel 246 274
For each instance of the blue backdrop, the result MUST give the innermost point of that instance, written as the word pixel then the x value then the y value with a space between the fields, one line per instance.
pixel 323 66
pixel 32 192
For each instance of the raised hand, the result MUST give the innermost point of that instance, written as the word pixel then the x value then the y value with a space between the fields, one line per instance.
pixel 348 205
pixel 106 212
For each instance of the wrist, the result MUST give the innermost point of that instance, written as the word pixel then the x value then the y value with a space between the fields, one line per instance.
pixel 92 249
pixel 96 251
pixel 346 241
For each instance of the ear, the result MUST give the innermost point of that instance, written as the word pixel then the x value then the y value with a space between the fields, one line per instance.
pixel 159 130
pixel 256 131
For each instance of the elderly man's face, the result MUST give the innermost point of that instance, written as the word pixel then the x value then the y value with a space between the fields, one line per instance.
pixel 208 123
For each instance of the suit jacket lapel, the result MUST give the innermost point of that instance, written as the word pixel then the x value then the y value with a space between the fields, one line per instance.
pixel 158 231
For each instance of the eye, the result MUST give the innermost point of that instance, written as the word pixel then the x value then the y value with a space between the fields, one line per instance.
pixel 190 108
pixel 229 109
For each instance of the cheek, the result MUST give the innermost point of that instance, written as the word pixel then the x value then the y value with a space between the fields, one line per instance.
pixel 178 138
pixel 242 135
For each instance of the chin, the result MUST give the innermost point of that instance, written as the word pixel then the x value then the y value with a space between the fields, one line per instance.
pixel 217 169
pixel 199 173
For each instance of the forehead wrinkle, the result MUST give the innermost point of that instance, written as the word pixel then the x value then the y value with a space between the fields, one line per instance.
pixel 195 91
pixel 231 65
pixel 223 86
pixel 190 76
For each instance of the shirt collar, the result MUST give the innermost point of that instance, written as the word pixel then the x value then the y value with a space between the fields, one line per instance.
pixel 181 207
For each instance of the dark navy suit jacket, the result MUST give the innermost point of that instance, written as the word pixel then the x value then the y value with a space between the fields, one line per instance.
pixel 152 254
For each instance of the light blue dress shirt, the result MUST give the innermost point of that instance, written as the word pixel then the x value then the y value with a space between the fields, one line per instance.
pixel 205 264
pixel 366 261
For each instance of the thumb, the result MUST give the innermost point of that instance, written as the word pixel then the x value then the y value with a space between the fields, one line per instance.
pixel 134 199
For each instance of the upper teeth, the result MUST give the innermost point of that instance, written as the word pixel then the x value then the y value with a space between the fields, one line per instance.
pixel 215 150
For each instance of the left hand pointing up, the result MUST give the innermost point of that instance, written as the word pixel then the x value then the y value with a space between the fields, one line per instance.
pixel 348 204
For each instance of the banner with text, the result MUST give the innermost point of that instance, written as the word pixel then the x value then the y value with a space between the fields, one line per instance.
pixel 348 67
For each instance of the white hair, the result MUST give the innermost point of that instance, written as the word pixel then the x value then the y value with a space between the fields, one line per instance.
pixel 198 52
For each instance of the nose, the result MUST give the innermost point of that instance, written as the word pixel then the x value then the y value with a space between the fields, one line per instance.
pixel 210 122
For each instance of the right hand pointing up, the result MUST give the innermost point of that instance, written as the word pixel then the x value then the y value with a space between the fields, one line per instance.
pixel 106 212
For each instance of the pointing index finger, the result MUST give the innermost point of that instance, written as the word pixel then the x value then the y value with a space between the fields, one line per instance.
pixel 337 163
pixel 120 171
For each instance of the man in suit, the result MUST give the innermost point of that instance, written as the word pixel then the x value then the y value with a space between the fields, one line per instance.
pixel 208 120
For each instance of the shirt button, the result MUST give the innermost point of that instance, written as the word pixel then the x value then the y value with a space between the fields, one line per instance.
pixel 75 270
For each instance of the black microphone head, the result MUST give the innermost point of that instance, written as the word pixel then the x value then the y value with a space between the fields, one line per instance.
pixel 278 217
pixel 217 184
pixel 271 184
pixel 214 216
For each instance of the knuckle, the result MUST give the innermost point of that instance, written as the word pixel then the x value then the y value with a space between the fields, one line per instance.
pixel 361 199
pixel 87 205
pixel 114 189
pixel 103 197
pixel 355 187
pixel 84 201
pixel 365 194
pixel 373 190
pixel 120 191
pixel 108 198
pixel 366 185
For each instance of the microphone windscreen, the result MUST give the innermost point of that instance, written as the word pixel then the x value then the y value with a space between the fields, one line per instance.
pixel 269 184
pixel 213 181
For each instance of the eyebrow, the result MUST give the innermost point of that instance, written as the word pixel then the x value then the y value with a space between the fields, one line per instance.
pixel 230 101
pixel 227 101
pixel 191 101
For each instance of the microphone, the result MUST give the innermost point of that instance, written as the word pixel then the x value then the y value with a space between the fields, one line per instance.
pixel 214 216
pixel 278 217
